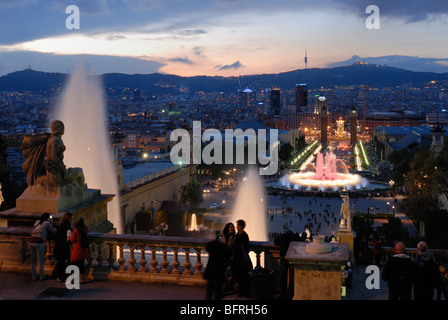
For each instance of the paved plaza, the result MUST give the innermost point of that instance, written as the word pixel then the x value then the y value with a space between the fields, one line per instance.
pixel 319 205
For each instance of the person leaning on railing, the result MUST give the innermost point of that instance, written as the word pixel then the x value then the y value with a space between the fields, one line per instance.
pixel 41 230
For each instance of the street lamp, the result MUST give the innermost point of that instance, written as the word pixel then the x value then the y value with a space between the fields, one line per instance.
pixel 388 203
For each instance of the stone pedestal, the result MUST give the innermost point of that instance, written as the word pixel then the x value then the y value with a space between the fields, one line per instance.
pixel 317 276
pixel 93 211
pixel 347 237
pixel 38 199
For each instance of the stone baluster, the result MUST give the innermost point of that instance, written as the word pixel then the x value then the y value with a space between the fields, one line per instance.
pixel 121 260
pixel 258 252
pixel 165 263
pixel 132 260
pixel 142 261
pixel 111 258
pixel 153 261
pixel 198 264
pixel 187 264
pixel 99 258
pixel 176 263
pixel 48 254
pixel 90 259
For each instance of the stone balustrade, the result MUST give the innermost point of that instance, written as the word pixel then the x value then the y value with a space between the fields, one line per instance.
pixel 139 258
pixel 441 256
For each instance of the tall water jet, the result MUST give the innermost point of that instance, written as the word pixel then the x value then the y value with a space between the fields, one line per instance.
pixel 250 206
pixel 82 109
pixel 193 223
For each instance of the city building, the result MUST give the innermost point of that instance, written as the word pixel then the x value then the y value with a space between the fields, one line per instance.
pixel 301 96
pixel 390 139
pixel 402 118
pixel 324 126
pixel 275 105
pixel 353 125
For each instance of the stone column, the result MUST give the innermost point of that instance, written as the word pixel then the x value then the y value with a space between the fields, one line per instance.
pixel 317 276
pixel 347 237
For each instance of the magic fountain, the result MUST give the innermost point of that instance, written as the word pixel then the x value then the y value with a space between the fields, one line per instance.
pixel 327 174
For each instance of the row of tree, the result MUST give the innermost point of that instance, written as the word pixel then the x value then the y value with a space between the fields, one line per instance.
pixel 424 175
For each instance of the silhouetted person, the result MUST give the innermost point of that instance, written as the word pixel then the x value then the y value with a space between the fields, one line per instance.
pixel 229 234
pixel 241 263
pixel 62 245
pixel 399 273
pixel 216 267
pixel 443 286
pixel 377 251
pixel 41 230
pixel 427 276
pixel 284 240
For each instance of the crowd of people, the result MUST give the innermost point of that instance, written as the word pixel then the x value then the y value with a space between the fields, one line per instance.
pixel 71 245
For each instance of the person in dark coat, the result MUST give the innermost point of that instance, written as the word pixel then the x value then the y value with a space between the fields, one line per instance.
pixel 283 241
pixel 241 263
pixel 229 240
pixel 62 245
pixel 216 267
pixel 427 276
pixel 399 273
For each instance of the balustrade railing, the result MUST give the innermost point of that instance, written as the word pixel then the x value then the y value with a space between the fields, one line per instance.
pixel 143 258
pixel 441 256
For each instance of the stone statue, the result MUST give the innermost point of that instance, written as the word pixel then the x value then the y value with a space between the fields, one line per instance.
pixel 346 223
pixel 44 165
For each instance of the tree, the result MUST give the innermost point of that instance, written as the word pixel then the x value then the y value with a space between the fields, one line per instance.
pixel 285 152
pixel 190 194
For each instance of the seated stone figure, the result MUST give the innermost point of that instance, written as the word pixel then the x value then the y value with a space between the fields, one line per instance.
pixel 44 165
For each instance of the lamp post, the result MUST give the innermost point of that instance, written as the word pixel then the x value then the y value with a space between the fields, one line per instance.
pixel 388 203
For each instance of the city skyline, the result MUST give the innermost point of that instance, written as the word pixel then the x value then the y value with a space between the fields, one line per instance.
pixel 215 38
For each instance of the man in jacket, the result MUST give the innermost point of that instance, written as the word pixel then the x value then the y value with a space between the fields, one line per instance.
pixel 426 273
pixel 399 273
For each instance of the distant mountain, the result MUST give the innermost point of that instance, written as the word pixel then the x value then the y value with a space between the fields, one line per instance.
pixel 156 83
pixel 404 62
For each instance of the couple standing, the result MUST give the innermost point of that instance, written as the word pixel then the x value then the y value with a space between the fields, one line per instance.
pixel 234 253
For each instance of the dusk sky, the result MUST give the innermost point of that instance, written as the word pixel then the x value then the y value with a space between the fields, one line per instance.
pixel 215 37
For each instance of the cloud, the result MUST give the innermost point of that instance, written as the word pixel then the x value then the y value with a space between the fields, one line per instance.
pixel 190 32
pixel 235 65
pixel 15 3
pixel 48 62
pixel 181 60
pixel 87 7
pixel 199 51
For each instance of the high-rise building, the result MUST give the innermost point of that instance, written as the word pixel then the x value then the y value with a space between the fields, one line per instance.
pixel 301 96
pixel 324 126
pixel 320 103
pixel 353 125
pixel 275 101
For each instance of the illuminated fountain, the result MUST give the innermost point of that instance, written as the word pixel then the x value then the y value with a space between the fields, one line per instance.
pixel 327 174
pixel 250 206
pixel 193 223
pixel 86 138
